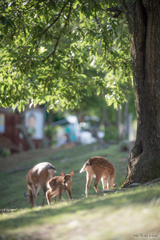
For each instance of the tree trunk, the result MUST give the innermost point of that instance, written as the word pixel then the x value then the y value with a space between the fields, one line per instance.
pixel 125 119
pixel 21 127
pixel 27 137
pixel 144 25
pixel 95 134
pixel 105 118
pixel 119 115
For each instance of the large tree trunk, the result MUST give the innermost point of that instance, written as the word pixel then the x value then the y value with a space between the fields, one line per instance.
pixel 125 119
pixel 105 118
pixel 144 26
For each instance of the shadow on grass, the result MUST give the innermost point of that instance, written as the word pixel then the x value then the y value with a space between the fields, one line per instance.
pixel 113 202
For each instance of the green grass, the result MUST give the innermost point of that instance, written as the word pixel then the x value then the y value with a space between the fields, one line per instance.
pixel 132 214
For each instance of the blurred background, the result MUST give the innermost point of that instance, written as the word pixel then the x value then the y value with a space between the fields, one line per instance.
pixel 93 121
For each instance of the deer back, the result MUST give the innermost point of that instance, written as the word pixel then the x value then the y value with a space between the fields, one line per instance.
pixel 55 182
pixel 40 173
pixel 64 182
pixel 99 165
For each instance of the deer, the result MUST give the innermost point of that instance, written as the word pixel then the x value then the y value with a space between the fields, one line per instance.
pixel 38 177
pixel 57 185
pixel 101 169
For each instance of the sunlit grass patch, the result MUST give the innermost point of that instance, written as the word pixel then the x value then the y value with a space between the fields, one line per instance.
pixel 123 215
pixel 118 216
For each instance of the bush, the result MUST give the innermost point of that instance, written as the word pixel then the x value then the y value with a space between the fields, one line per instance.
pixel 50 131
pixel 4 152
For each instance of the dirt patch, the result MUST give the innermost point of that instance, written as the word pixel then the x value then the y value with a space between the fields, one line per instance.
pixel 15 159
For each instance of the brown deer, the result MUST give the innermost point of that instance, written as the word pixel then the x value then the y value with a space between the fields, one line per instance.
pixel 57 185
pixel 101 169
pixel 38 177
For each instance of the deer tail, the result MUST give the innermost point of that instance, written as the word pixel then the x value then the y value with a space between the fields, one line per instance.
pixel 84 166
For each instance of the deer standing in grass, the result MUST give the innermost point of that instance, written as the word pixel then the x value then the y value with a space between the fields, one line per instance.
pixel 38 177
pixel 101 169
pixel 57 185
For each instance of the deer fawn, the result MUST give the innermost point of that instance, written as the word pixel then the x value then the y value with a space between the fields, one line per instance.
pixel 57 185
pixel 38 177
pixel 102 169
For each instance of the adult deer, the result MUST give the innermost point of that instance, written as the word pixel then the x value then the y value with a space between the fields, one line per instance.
pixel 101 169
pixel 38 177
pixel 57 185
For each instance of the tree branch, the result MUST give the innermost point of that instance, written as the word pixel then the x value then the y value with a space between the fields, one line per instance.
pixel 105 55
pixel 97 19
pixel 53 52
pixel 67 23
pixel 45 32
pixel 54 21
pixel 56 45
pixel 117 10
pixel 99 25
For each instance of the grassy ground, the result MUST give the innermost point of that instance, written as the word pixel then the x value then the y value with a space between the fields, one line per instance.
pixel 125 215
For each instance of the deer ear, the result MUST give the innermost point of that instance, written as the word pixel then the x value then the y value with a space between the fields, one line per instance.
pixel 62 174
pixel 72 173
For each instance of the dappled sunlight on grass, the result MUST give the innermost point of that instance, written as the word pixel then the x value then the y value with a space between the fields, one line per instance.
pixel 125 212
pixel 120 215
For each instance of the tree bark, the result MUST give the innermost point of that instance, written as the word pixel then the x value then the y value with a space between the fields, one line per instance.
pixel 125 119
pixel 95 134
pixel 21 127
pixel 105 118
pixel 119 116
pixel 27 137
pixel 144 26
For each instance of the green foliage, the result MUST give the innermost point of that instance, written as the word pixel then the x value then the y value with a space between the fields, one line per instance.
pixel 45 45
pixel 50 131
pixel 4 152
pixel 111 133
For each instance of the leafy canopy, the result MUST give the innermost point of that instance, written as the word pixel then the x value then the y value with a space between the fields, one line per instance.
pixel 45 46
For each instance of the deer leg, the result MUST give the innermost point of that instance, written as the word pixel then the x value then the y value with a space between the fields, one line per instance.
pixel 111 182
pixel 44 191
pixel 33 196
pixel 60 194
pixel 108 181
pixel 88 182
pixel 49 196
pixel 69 193
pixel 37 191
pixel 95 184
pixel 30 197
pixel 104 181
